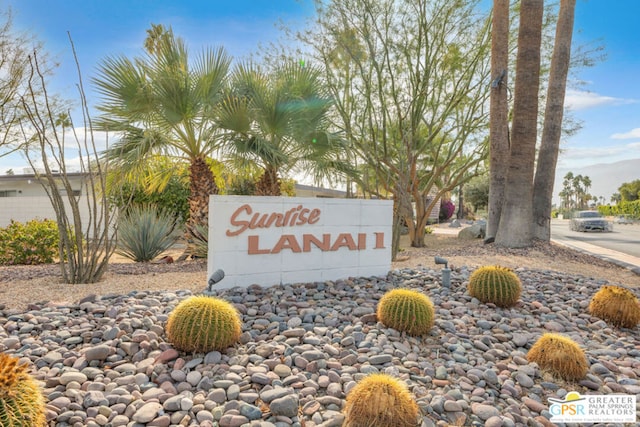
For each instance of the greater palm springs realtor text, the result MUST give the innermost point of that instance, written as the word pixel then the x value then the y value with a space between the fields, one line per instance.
pixel 272 240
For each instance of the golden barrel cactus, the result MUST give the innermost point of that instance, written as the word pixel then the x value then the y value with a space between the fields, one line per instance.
pixel 560 355
pixel 203 324
pixel 21 400
pixel 406 310
pixel 380 400
pixel 495 284
pixel 616 305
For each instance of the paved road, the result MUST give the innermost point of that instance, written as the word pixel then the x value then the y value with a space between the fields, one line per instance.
pixel 624 238
pixel 622 246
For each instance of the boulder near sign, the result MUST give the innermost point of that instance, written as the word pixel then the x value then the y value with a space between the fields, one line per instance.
pixel 275 240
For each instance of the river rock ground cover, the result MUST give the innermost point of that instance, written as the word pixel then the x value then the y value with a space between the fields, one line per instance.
pixel 104 361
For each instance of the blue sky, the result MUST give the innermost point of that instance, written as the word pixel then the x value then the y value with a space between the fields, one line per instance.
pixel 608 104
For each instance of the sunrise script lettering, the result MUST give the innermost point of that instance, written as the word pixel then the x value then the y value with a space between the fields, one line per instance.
pixel 244 218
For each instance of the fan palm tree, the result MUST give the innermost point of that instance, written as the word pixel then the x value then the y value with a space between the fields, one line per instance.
pixel 162 104
pixel 278 122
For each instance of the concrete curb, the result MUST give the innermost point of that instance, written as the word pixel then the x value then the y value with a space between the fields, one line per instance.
pixel 629 262
pixel 621 259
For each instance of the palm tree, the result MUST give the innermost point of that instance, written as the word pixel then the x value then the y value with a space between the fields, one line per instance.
pixel 586 183
pixel 163 104
pixel 548 155
pixel 579 191
pixel 278 122
pixel 564 195
pixel 568 189
pixel 514 229
pixel 499 121
pixel 616 198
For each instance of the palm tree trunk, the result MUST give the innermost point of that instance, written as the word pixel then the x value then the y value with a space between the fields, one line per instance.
pixel 269 183
pixel 514 229
pixel 202 185
pixel 548 155
pixel 499 121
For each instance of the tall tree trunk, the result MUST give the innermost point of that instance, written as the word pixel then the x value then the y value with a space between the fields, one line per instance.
pixel 498 113
pixel 548 155
pixel 202 185
pixel 461 210
pixel 417 237
pixel 514 229
pixel 269 183
pixel 396 228
pixel 421 218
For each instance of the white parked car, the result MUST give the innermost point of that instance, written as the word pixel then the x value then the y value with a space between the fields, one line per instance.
pixel 624 219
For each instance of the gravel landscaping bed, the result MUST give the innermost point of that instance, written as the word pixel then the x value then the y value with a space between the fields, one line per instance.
pixel 103 361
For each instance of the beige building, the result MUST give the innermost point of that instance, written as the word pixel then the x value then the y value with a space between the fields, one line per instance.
pixel 23 198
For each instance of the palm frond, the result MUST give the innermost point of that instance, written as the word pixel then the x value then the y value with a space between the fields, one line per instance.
pixel 158 175
pixel 259 150
pixel 212 67
pixel 122 83
pixel 279 120
pixel 162 93
pixel 333 171
pixel 234 115
pixel 168 68
pixel 135 146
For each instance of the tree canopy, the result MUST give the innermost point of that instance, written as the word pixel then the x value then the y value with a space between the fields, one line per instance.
pixel 16 52
pixel 277 120
pixel 409 80
pixel 575 191
pixel 162 103
pixel 476 191
pixel 630 191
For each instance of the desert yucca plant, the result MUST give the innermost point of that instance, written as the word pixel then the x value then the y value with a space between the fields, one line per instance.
pixel 379 400
pixel 203 324
pixel 616 305
pixel 495 284
pixel 560 355
pixel 200 244
pixel 144 232
pixel 406 310
pixel 21 401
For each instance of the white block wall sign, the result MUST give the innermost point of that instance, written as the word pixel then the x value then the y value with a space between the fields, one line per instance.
pixel 276 240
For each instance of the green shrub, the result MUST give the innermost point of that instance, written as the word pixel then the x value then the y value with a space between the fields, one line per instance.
pixel 34 242
pixel 21 400
pixel 630 209
pixel 173 199
pixel 203 324
pixel 144 233
pixel 379 400
pixel 406 310
pixel 241 185
pixel 245 184
pixel 495 284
